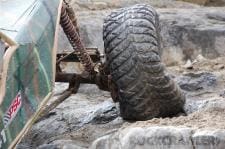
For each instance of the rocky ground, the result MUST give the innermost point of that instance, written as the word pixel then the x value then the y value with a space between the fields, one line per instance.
pixel 193 40
pixel 91 115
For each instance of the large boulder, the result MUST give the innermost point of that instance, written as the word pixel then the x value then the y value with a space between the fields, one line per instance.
pixel 186 33
pixel 161 137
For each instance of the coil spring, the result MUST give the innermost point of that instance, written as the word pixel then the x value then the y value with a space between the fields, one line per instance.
pixel 70 30
pixel 71 14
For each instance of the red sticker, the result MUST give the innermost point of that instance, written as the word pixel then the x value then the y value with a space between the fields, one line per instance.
pixel 13 109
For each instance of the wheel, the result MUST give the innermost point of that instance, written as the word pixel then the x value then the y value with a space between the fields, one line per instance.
pixel 132 47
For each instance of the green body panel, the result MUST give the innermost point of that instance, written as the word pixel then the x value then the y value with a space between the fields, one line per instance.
pixel 30 71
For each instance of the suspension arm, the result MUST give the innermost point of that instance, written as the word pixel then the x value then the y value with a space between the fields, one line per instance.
pixel 70 30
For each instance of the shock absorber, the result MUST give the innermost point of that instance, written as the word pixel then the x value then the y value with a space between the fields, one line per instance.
pixel 70 29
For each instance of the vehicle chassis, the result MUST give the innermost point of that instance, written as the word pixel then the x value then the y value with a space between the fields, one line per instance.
pixel 95 71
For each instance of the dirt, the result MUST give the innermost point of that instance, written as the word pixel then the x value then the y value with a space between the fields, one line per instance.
pixel 206 118
pixel 210 119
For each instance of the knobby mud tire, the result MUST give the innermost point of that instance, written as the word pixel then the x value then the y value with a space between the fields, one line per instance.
pixel 132 47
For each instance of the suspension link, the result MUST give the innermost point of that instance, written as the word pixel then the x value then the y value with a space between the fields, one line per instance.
pixel 71 30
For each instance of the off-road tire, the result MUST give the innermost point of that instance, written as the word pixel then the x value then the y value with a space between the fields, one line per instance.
pixel 132 47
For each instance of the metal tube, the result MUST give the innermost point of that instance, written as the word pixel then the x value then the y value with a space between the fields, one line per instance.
pixel 68 77
pixel 71 32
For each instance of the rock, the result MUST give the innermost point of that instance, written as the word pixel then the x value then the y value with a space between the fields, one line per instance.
pixel 219 66
pixel 218 3
pixel 81 5
pixel 58 144
pixel 200 2
pixel 91 27
pixel 201 104
pixel 89 107
pixel 196 81
pixel 207 2
pixel 188 65
pixel 145 138
pixel 105 114
pixel 23 146
pixel 186 33
pixel 67 144
pixel 202 91
pixel 222 94
pixel 43 146
pixel 162 137
pixel 216 16
pixel 209 139
pixel 200 58
pixel 48 146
